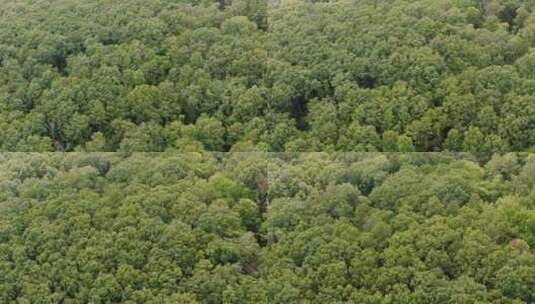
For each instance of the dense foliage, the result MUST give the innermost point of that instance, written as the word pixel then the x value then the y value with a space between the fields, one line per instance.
pixel 184 77
pixel 292 75
pixel 266 228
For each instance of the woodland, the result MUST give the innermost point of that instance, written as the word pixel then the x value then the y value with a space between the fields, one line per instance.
pixel 267 151
pixel 287 75
pixel 267 228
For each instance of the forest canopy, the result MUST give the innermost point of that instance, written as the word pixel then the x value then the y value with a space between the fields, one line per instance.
pixel 267 228
pixel 169 139
pixel 292 75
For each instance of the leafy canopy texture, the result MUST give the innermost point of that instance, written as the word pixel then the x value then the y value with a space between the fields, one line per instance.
pixel 267 228
pixel 284 75
pixel 145 95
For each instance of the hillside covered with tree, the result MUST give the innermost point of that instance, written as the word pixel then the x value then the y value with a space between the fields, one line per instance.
pixel 266 228
pixel 292 75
